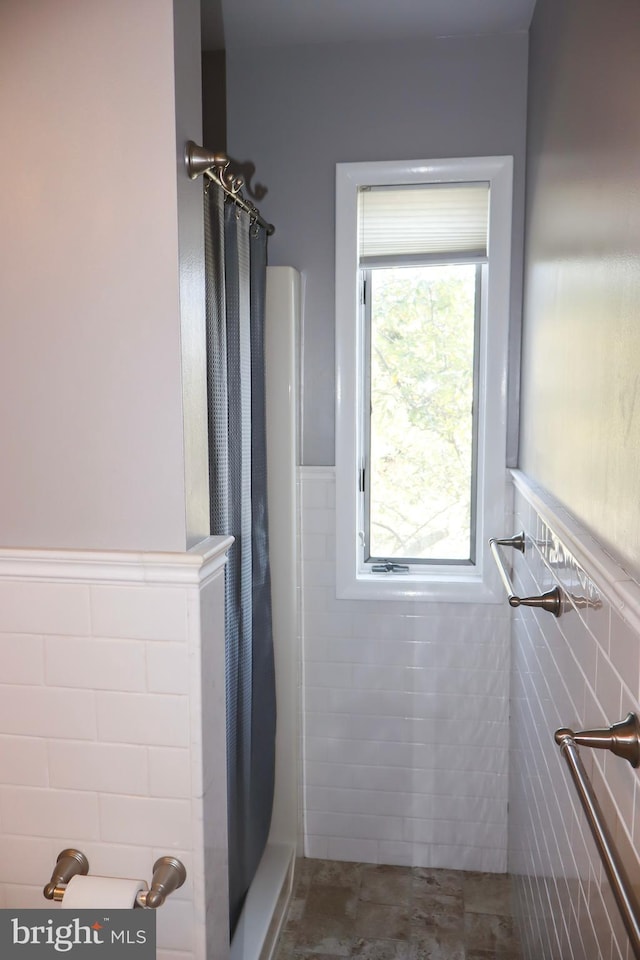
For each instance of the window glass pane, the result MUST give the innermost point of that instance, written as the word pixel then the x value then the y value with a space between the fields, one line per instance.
pixel 422 449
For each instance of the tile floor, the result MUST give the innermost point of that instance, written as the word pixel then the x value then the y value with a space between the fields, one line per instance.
pixel 378 912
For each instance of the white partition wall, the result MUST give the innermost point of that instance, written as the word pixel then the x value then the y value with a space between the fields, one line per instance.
pixel 112 734
pixel 281 348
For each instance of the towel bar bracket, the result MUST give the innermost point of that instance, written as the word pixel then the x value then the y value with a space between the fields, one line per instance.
pixel 621 738
pixel 552 601
pixel 517 541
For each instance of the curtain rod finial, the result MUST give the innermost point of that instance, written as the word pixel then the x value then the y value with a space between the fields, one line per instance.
pixel 199 159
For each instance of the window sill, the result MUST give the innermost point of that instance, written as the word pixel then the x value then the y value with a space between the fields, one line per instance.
pixel 448 588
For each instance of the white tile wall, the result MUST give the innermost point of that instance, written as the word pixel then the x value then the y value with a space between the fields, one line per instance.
pixel 94 664
pixel 582 670
pixel 101 722
pixel 406 717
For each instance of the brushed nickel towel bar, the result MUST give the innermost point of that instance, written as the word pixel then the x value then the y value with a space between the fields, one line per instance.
pixel 550 601
pixel 611 861
pixel 200 161
pixel 168 874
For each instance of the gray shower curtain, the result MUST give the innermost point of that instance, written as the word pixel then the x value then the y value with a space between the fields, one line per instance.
pixel 235 263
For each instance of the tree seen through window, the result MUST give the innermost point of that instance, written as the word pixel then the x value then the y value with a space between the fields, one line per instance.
pixel 421 443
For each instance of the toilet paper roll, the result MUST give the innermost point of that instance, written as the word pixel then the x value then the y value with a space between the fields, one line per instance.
pixel 115 893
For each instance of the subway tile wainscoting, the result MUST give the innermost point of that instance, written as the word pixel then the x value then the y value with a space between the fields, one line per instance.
pixel 405 717
pixel 111 692
pixel 580 671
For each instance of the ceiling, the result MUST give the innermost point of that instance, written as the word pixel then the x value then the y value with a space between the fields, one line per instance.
pixel 229 24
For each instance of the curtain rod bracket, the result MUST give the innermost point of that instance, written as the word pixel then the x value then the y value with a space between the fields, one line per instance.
pixel 202 162
pixel 198 160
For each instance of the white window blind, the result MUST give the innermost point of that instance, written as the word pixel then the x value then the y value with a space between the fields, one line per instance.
pixel 423 221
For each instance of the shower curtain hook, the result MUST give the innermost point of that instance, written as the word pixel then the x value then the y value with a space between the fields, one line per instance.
pixel 230 181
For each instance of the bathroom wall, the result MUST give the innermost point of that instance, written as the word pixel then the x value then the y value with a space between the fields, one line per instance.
pixel 112 727
pixel 580 415
pixel 112 680
pixel 581 670
pixel 580 453
pixel 406 713
pixel 214 99
pixel 383 781
pixel 296 111
pixel 98 255
pixel 188 123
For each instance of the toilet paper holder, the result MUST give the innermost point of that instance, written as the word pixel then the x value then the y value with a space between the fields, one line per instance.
pixel 168 874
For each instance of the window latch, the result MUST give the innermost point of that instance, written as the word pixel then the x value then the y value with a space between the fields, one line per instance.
pixel 389 567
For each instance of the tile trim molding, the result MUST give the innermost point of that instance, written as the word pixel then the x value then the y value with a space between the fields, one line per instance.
pixel 193 567
pixel 618 586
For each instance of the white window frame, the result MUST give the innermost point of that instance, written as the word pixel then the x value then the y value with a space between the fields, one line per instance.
pixel 477 583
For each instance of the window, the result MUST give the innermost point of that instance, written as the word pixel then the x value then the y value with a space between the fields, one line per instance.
pixel 422 294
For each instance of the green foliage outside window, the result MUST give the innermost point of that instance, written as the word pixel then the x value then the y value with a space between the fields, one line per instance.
pixel 423 322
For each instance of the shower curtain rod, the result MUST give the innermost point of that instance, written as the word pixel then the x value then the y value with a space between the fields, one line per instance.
pixel 215 166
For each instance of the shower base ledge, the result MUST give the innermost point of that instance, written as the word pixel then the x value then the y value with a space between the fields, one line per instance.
pixel 265 907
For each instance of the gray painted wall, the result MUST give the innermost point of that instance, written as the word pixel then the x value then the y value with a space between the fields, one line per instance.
pixel 297 111
pixel 188 114
pixel 214 100
pixel 92 277
pixel 581 369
